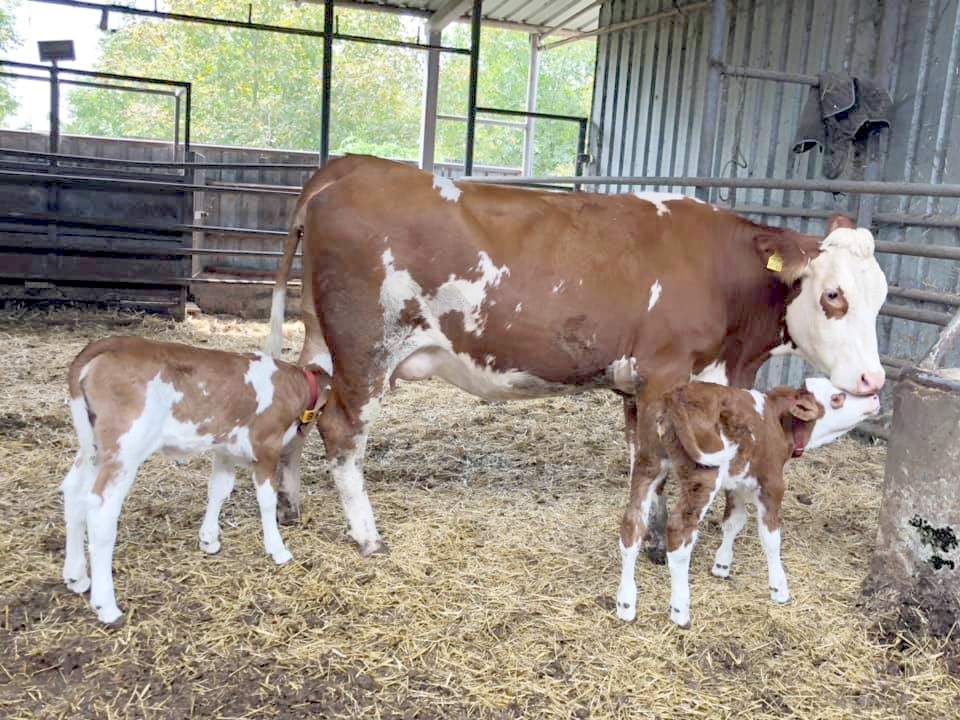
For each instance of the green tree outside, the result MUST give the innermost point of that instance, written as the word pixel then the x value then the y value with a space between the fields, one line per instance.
pixel 8 39
pixel 264 89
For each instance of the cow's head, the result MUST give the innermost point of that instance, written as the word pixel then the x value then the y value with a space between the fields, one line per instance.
pixel 833 318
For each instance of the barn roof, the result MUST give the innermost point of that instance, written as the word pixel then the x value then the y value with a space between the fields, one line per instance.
pixel 540 16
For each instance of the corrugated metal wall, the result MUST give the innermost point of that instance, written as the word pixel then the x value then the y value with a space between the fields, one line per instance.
pixel 648 104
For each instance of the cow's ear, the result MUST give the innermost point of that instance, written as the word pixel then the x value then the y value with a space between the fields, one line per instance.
pixel 839 221
pixel 786 253
pixel 805 407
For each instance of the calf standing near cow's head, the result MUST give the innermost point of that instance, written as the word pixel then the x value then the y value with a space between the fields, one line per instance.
pixel 511 293
pixel 719 437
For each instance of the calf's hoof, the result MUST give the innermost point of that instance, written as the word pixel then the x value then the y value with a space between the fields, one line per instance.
pixel 373 547
pixel 210 547
pixel 108 614
pixel 656 553
pixel 720 571
pixel 780 598
pixel 79 586
pixel 680 618
pixel 282 557
pixel 626 611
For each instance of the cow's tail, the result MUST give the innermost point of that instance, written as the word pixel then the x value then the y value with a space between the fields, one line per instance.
pixel 274 343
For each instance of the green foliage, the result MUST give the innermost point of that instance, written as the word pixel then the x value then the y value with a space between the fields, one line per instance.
pixel 264 89
pixel 8 39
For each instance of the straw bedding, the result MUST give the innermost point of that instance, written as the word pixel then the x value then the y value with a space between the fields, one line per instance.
pixel 496 599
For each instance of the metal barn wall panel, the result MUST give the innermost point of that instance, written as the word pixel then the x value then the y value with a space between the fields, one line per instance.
pixel 648 104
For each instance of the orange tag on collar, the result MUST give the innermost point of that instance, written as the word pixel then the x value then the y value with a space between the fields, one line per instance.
pixel 775 262
pixel 308 416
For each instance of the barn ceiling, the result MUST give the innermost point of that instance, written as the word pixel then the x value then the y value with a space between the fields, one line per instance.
pixel 562 16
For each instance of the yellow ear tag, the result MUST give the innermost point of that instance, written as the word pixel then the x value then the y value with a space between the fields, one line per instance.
pixel 775 262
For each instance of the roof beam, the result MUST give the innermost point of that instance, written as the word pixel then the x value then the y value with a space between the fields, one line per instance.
pixel 447 13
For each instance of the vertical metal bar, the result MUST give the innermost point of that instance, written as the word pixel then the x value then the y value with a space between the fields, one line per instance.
pixel 652 97
pixel 637 109
pixel 697 30
pixel 533 82
pixel 428 118
pixel 675 140
pixel 54 108
pixel 472 90
pixel 601 83
pixel 581 149
pixel 886 50
pixel 613 135
pixel 739 117
pixel 176 125
pixel 627 104
pixel 778 101
pixel 665 94
pixel 793 163
pixel 326 81
pixel 187 109
pixel 708 133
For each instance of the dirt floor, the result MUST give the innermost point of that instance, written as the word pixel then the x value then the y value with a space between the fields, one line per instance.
pixel 496 599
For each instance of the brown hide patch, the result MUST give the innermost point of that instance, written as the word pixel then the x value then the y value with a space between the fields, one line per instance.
pixel 834 303
pixel 410 315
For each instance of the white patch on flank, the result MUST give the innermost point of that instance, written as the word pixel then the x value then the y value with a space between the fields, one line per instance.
pixel 289 433
pixel 202 387
pixel 715 372
pixel 655 291
pixel 759 401
pixel 238 443
pixel 558 287
pixel 324 360
pixel 448 189
pixel 258 375
pixel 467 296
pixel 519 307
pixel 658 199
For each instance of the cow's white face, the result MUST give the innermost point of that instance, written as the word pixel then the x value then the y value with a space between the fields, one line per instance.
pixel 841 411
pixel 833 320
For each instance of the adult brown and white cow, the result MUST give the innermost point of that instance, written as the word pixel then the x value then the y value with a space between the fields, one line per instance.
pixel 512 293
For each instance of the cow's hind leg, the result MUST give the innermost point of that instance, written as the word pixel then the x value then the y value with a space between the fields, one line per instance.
pixel 345 436
pixel 647 474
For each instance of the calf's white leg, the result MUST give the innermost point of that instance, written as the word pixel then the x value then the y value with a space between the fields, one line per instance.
pixel 770 540
pixel 219 488
pixel 264 479
pixel 732 525
pixel 627 592
pixel 103 513
pixel 679 563
pixel 76 485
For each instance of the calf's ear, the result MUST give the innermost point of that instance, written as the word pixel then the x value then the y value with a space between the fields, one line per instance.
pixel 806 408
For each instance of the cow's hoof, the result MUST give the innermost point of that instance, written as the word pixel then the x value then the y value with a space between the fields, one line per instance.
pixel 287 514
pixel 375 547
pixel 720 571
pixel 78 586
pixel 656 553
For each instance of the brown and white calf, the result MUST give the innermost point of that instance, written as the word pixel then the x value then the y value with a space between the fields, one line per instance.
pixel 719 438
pixel 131 397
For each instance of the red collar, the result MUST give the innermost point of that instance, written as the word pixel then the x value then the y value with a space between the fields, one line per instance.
pixel 309 414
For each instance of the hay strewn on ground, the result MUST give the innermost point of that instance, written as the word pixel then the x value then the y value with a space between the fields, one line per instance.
pixel 496 599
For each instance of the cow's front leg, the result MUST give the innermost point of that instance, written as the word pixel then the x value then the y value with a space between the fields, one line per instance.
pixel 647 472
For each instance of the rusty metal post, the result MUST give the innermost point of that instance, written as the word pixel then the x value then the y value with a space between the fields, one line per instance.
pixel 917 558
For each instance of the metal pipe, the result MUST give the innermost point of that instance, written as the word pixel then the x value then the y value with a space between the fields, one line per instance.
pixel 483 121
pixel 616 27
pixel 931 296
pixel 775 75
pixel 941 252
pixel 188 112
pixel 95 73
pixel 525 113
pixel 924 316
pixel 711 102
pixel 533 82
pixel 176 126
pixel 221 22
pixel 326 81
pixel 54 109
pixel 157 163
pixel 428 114
pixel 472 87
